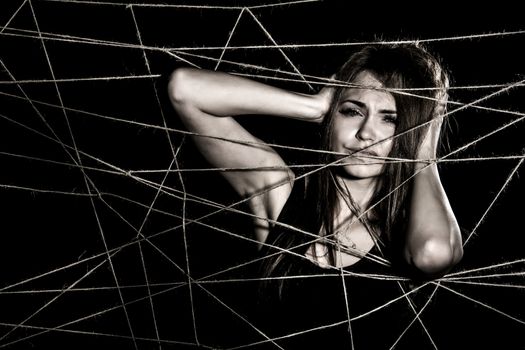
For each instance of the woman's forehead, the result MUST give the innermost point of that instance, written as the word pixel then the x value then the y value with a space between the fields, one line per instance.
pixel 370 91
pixel 367 79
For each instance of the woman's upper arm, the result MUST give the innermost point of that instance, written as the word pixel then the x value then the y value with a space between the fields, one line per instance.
pixel 243 151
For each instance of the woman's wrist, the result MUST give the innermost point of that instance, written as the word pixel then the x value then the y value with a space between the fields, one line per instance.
pixel 322 102
pixel 312 108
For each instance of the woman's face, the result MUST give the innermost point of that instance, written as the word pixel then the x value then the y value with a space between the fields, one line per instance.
pixel 362 118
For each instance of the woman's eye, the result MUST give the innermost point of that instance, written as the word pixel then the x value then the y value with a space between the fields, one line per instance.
pixel 351 112
pixel 390 119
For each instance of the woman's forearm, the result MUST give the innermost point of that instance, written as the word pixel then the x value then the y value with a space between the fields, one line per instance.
pixel 221 94
pixel 433 239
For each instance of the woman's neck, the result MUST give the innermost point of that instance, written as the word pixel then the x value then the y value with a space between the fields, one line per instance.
pixel 361 190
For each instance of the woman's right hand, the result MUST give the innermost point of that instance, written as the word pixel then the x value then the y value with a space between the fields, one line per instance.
pixel 324 98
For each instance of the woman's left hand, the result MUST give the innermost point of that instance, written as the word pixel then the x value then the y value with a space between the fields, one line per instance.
pixel 428 148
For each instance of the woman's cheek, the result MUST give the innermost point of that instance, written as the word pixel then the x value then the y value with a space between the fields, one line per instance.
pixel 387 148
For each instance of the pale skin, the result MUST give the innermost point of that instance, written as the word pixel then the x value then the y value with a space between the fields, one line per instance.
pixel 207 102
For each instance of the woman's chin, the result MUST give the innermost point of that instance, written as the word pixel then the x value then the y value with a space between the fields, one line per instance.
pixel 360 171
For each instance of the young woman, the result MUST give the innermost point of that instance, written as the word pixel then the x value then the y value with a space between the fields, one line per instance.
pixel 359 201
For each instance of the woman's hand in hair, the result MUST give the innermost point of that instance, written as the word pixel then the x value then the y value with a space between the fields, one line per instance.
pixel 428 148
pixel 324 98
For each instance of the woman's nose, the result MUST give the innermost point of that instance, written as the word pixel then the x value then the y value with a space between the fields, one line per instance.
pixel 366 130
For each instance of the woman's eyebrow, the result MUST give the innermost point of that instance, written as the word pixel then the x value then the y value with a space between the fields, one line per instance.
pixel 363 105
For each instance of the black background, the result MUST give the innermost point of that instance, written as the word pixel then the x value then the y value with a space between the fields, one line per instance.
pixel 42 231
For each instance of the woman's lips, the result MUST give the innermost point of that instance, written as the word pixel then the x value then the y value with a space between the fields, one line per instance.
pixel 365 152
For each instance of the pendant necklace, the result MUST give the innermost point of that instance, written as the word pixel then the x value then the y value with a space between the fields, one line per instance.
pixel 343 236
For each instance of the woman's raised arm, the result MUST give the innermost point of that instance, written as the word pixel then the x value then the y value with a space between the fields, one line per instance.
pixel 433 241
pixel 206 102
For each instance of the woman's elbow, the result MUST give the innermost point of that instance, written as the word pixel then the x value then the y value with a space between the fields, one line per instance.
pixel 178 86
pixel 435 257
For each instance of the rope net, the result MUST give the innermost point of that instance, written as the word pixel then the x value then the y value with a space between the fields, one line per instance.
pixel 115 231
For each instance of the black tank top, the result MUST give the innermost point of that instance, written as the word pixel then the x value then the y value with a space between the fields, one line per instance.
pixel 316 303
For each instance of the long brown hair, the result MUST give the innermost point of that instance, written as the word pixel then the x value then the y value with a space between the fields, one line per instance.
pixel 405 66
